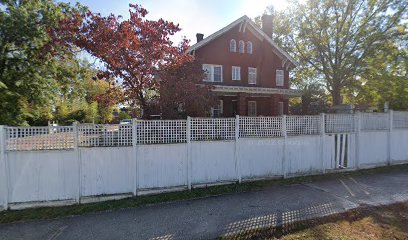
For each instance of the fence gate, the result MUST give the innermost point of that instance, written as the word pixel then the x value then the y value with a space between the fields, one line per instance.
pixel 342 148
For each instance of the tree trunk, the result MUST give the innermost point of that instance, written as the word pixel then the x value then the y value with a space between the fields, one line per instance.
pixel 143 105
pixel 337 100
pixel 305 105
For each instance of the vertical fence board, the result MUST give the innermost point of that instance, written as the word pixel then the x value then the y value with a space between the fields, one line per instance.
pixel 162 166
pixel 236 148
pixel 106 170
pixel 4 180
pixel 135 157
pixel 42 176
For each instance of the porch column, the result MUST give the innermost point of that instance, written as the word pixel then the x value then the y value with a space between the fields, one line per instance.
pixel 242 104
pixel 274 105
pixel 286 106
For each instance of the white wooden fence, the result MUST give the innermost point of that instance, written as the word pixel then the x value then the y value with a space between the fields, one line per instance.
pixel 88 162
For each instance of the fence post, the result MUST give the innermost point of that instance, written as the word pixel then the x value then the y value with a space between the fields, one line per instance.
pixel 284 134
pixel 236 154
pixel 389 135
pixel 134 145
pixel 189 160
pixel 358 130
pixel 5 171
pixel 322 135
pixel 79 161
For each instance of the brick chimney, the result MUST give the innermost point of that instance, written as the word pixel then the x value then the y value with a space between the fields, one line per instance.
pixel 267 25
pixel 199 36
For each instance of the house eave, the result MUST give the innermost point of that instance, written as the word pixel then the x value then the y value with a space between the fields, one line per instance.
pixel 258 32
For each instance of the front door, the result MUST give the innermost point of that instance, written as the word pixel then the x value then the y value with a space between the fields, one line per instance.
pixel 234 107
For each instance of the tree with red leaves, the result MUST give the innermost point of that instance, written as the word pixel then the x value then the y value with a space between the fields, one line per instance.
pixel 181 93
pixel 132 50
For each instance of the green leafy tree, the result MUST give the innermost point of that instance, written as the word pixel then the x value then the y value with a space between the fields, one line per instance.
pixel 313 100
pixel 337 38
pixel 124 115
pixel 32 68
pixel 385 80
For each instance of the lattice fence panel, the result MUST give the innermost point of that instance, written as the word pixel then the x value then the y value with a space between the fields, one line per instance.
pixel 39 138
pixel 262 127
pixel 400 119
pixel 207 129
pixel 161 131
pixel 302 125
pixel 339 123
pixel 374 121
pixel 104 135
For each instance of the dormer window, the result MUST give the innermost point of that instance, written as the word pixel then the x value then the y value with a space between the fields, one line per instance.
pixel 249 47
pixel 241 46
pixel 233 45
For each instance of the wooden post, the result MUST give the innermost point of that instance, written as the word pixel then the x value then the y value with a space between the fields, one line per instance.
pixel 389 135
pixel 322 135
pixel 189 160
pixel 357 129
pixel 284 134
pixel 343 150
pixel 236 153
pixel 135 158
pixel 5 171
pixel 79 161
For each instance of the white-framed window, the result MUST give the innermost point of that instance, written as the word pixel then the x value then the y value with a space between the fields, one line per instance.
pixel 233 45
pixel 249 47
pixel 236 73
pixel 279 78
pixel 213 73
pixel 217 110
pixel 241 46
pixel 252 108
pixel 280 108
pixel 251 75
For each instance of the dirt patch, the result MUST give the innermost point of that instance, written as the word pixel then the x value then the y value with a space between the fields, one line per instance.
pixel 383 222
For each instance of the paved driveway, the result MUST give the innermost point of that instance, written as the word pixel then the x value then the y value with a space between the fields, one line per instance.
pixel 229 214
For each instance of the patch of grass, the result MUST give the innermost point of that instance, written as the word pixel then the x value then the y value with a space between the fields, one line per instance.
pixel 374 223
pixel 57 212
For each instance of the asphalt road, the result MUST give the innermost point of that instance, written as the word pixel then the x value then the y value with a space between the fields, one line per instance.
pixel 225 215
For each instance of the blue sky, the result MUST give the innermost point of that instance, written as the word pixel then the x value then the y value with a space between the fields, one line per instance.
pixel 204 16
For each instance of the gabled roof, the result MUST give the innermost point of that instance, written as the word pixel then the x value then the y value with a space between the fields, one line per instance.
pixel 244 20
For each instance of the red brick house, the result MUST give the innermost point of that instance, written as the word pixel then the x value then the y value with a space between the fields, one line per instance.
pixel 248 71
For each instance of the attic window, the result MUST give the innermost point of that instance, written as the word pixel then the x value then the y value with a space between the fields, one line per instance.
pixel 233 45
pixel 279 78
pixel 249 47
pixel 241 46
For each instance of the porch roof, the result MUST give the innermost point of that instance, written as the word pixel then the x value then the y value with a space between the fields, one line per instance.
pixel 256 90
